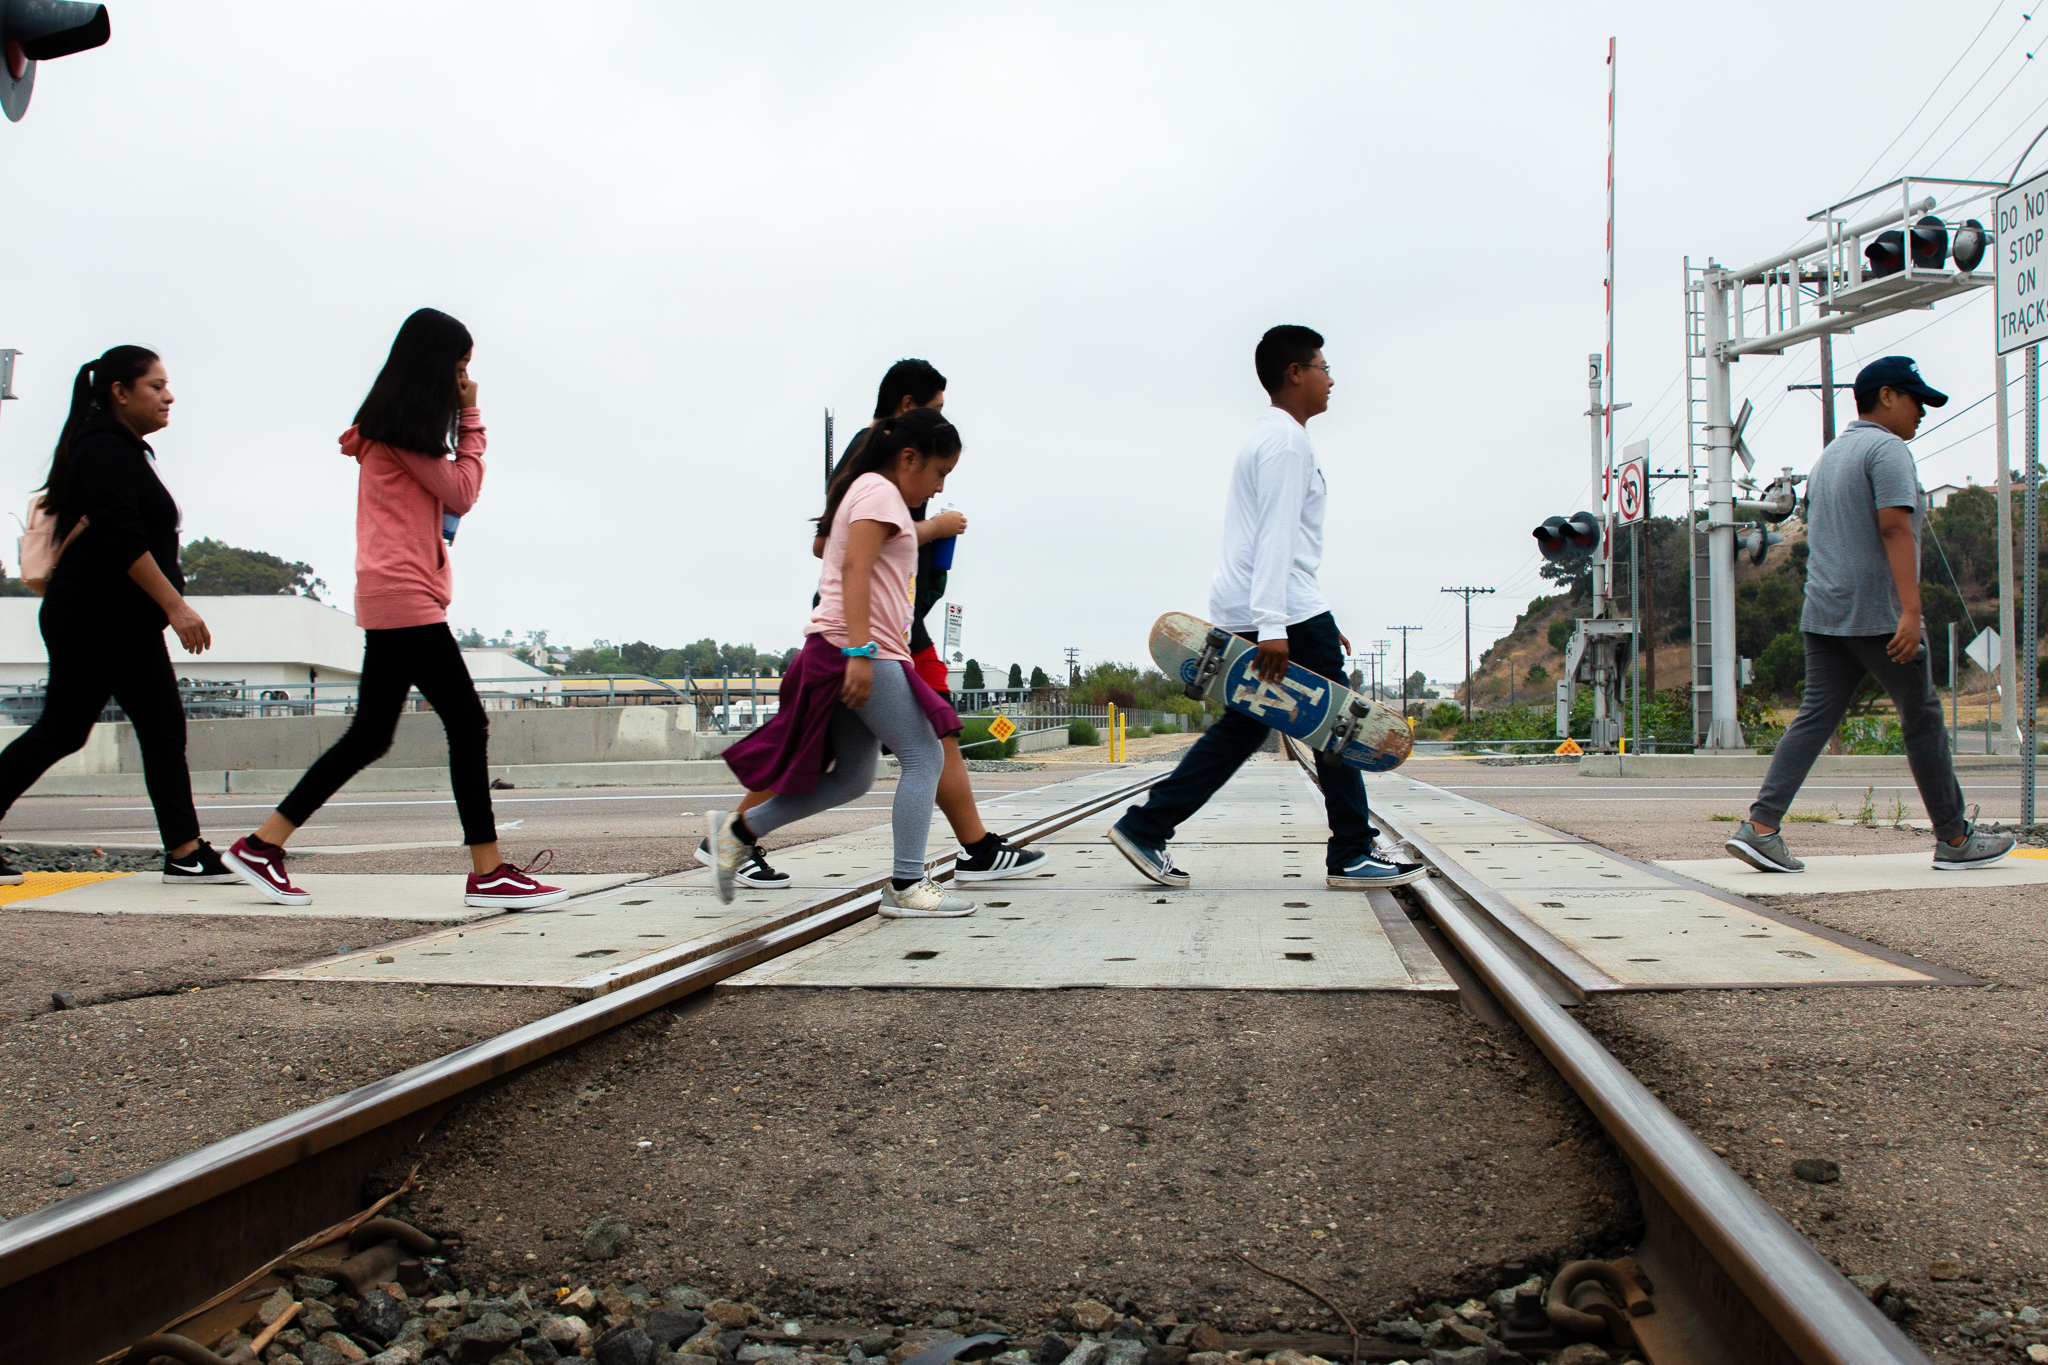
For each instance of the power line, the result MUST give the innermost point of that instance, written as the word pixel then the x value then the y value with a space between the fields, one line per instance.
pixel 2025 19
pixel 1930 96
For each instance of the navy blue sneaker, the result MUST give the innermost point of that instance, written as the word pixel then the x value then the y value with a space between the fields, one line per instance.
pixel 1155 863
pixel 1375 869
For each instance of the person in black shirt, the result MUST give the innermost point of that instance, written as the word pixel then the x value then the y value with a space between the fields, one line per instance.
pixel 116 585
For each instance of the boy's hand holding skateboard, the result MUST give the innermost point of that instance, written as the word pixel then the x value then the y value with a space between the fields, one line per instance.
pixel 1271 665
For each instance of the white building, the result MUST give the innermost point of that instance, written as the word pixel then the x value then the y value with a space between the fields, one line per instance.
pixel 263 641
pixel 502 680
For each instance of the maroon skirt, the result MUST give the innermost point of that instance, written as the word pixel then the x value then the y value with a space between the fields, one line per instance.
pixel 791 752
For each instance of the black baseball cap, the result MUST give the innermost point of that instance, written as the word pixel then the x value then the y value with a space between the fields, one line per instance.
pixel 1901 373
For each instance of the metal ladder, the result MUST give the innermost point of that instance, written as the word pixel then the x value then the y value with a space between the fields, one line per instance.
pixel 1695 417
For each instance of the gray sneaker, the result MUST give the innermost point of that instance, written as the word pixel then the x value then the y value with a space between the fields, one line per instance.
pixel 1764 852
pixel 1977 849
pixel 1155 863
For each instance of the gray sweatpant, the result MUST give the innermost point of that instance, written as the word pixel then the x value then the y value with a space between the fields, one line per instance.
pixel 1835 665
pixel 892 717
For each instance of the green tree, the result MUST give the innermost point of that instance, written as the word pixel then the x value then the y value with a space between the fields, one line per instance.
pixel 1537 675
pixel 1038 678
pixel 1560 633
pixel 215 569
pixel 1418 682
pixel 1016 677
pixel 471 639
pixel 970 678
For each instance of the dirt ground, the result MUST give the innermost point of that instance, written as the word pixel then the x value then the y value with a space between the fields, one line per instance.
pixel 1931 1099
pixel 92 1094
pixel 899 1154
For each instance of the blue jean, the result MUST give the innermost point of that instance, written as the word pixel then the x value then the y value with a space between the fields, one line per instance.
pixel 1218 754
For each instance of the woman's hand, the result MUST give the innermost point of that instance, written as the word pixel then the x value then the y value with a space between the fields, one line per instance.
pixel 465 390
pixel 860 680
pixel 192 632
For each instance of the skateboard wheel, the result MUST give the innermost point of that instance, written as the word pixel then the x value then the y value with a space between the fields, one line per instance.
pixel 1358 708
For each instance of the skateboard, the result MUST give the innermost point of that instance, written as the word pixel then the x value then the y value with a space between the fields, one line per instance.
pixel 1326 716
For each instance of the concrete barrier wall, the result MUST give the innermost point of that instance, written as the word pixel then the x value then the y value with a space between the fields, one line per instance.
pixel 550 736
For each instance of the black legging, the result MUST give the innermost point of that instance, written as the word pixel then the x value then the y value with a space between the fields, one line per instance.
pixel 395 662
pixel 91 661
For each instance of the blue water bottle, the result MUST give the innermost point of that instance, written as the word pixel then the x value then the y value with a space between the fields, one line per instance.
pixel 942 550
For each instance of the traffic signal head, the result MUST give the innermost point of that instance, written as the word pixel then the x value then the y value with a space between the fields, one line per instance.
pixel 1970 245
pixel 1756 542
pixel 1558 537
pixel 1930 243
pixel 1886 255
pixel 34 31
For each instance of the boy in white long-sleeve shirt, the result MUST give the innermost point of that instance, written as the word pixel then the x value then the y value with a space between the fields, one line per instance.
pixel 1265 589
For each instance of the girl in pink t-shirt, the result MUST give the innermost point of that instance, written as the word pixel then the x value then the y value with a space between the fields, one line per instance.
pixel 853 688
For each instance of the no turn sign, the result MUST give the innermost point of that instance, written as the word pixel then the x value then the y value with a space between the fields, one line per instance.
pixel 1632 484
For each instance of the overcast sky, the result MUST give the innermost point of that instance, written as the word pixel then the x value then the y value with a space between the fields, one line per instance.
pixel 680 232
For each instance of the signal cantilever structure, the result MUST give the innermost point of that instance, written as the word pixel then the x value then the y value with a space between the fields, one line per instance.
pixel 1880 252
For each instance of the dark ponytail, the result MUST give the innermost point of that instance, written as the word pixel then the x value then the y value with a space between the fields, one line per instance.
pixel 92 395
pixel 921 429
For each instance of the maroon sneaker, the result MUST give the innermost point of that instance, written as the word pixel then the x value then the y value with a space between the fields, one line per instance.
pixel 265 872
pixel 506 887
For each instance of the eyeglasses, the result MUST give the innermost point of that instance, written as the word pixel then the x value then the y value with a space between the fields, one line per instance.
pixel 1324 368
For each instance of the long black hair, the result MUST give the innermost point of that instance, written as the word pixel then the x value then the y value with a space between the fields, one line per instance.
pixel 92 395
pixel 413 404
pixel 921 429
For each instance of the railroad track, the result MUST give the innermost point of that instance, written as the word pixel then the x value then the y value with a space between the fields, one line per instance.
pixel 105 1269
pixel 1731 1280
pixel 1734 1283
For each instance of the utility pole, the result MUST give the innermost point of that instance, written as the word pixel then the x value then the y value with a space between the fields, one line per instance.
pixel 1379 668
pixel 1073 665
pixel 1468 594
pixel 1406 631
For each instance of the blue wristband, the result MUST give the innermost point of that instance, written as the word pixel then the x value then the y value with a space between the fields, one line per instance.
pixel 866 651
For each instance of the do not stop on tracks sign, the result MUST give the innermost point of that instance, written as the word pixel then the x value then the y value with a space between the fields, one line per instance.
pixel 2022 243
pixel 1632 484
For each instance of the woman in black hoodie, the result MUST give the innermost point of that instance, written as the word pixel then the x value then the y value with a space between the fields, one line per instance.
pixel 116 586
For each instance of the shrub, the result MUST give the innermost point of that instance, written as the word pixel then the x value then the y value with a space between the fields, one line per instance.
pixel 974 730
pixel 1444 716
pixel 1560 633
pixel 1080 732
pixel 1166 729
pixel 1425 732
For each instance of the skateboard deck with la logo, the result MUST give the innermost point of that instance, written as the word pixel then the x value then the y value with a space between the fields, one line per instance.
pixel 1326 716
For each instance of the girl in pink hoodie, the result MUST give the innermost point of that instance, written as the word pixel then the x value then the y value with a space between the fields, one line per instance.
pixel 409 495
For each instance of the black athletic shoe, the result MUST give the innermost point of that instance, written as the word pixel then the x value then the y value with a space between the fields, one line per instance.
pixel 998 858
pixel 201 867
pixel 753 870
pixel 10 875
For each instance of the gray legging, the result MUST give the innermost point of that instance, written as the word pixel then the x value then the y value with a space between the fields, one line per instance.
pixel 892 717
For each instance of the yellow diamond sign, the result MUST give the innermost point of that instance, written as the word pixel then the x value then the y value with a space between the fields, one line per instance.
pixel 1000 728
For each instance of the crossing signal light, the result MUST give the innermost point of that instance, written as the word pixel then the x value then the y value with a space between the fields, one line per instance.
pixel 1970 245
pixel 1756 542
pixel 34 31
pixel 1558 537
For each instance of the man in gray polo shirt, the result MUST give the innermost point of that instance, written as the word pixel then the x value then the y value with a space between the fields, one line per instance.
pixel 1862 616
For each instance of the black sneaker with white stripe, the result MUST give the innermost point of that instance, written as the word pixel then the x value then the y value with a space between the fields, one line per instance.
pixel 201 867
pixel 993 859
pixel 754 869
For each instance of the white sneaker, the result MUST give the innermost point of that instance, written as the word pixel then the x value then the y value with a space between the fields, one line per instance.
pixel 728 851
pixel 923 899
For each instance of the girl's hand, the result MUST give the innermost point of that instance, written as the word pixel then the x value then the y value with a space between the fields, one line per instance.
pixel 465 390
pixel 948 524
pixel 192 632
pixel 860 680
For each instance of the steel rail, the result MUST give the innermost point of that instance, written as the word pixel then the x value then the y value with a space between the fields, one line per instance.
pixel 114 1264
pixel 1735 1284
